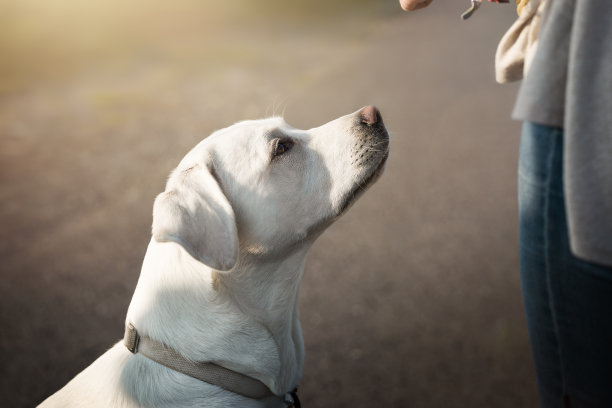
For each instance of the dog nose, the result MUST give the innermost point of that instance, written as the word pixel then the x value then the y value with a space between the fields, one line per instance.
pixel 370 115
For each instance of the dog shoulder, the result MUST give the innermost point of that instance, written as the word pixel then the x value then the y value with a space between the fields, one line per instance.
pixel 97 386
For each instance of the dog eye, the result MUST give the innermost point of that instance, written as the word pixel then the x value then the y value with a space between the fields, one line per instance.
pixel 282 147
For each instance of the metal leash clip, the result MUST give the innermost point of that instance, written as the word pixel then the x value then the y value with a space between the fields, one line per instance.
pixel 468 13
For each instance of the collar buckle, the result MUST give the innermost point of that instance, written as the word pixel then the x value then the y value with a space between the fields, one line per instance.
pixel 292 400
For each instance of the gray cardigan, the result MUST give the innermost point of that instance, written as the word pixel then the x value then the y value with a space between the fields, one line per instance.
pixel 569 85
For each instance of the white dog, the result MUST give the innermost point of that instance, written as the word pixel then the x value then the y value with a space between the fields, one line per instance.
pixel 214 320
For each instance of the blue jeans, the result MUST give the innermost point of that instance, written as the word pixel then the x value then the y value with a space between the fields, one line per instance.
pixel 568 302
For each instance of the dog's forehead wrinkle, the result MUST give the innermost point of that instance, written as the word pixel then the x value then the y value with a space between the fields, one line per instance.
pixel 282 129
pixel 185 172
pixel 274 133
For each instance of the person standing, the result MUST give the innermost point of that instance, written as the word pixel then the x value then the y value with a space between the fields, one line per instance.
pixel 565 201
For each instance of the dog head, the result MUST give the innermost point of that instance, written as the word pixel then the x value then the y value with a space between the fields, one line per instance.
pixel 263 186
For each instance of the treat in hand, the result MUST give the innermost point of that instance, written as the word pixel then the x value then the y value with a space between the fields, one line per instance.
pixel 475 4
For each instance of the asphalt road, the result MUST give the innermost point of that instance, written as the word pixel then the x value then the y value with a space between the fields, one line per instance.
pixel 412 299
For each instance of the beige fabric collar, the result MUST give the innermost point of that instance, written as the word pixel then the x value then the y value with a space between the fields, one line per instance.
pixel 208 372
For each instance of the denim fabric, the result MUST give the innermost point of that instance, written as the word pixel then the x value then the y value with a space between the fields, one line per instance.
pixel 568 302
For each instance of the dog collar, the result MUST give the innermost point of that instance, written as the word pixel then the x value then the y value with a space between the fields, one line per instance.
pixel 207 372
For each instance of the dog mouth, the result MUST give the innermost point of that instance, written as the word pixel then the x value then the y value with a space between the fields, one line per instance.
pixel 361 186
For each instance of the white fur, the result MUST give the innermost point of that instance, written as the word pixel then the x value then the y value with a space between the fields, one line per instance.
pixel 221 277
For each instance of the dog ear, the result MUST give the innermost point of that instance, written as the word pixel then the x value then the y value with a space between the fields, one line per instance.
pixel 195 213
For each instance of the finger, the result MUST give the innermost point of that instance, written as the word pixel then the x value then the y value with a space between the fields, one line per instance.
pixel 411 5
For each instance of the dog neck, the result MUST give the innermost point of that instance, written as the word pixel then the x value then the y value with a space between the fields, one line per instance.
pixel 246 320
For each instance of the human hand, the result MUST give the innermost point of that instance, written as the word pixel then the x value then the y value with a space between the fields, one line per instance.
pixel 411 5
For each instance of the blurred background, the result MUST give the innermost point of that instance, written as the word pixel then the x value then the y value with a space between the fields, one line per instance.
pixel 411 300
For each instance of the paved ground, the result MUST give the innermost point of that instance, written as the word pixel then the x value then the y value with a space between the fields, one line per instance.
pixel 411 300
